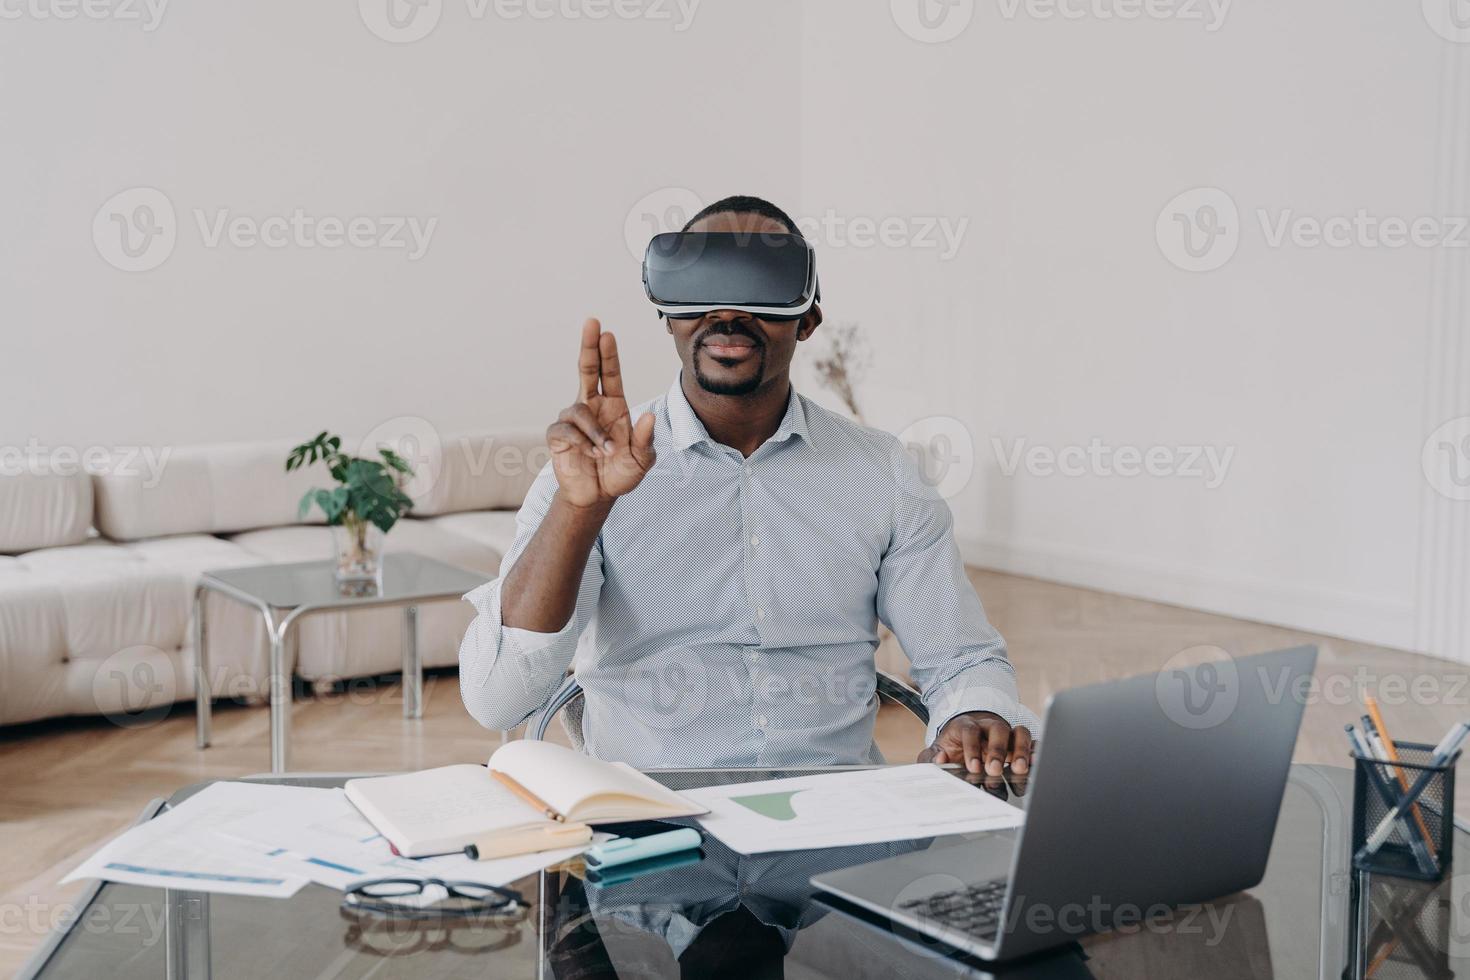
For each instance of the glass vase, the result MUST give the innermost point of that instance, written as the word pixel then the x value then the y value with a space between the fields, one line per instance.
pixel 358 547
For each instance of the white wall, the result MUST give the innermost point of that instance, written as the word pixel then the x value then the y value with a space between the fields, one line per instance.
pixel 539 145
pixel 532 142
pixel 1061 320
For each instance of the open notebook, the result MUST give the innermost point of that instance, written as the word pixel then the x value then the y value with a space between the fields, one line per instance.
pixel 534 796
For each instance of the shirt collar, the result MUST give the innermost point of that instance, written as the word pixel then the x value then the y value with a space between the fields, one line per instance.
pixel 687 430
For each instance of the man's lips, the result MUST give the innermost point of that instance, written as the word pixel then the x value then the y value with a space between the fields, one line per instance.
pixel 729 348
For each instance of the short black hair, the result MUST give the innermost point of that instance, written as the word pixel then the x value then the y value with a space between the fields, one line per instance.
pixel 745 204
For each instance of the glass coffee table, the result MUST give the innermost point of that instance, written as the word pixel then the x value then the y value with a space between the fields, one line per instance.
pixel 756 916
pixel 285 594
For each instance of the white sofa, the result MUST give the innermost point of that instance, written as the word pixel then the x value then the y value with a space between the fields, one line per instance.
pixel 97 571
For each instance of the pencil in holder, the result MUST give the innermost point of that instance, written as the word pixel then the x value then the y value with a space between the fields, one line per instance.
pixel 1417 799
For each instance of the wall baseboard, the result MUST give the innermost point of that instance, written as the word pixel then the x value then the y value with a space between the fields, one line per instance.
pixel 1368 619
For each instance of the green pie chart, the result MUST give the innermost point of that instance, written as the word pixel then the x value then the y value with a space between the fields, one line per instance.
pixel 777 806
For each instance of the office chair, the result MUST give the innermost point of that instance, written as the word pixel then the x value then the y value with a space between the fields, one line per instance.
pixel 569 696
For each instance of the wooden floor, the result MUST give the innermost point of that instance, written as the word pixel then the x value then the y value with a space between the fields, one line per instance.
pixel 68 786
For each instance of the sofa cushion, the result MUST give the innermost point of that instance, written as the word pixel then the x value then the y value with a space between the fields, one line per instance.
pixel 104 627
pixel 43 510
pixel 203 489
pixel 494 528
pixel 236 487
pixel 479 471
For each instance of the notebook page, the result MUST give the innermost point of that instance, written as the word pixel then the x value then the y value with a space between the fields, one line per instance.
pixel 446 803
pixel 565 778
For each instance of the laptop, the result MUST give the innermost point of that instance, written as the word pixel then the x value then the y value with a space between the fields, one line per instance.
pixel 1155 791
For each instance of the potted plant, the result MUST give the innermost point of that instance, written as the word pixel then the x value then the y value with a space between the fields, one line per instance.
pixel 367 501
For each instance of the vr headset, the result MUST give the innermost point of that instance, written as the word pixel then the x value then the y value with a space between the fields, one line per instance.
pixel 689 273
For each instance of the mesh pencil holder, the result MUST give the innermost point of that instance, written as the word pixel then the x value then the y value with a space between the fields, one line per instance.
pixel 1419 841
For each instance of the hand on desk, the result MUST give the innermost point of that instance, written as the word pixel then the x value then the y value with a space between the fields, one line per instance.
pixel 982 741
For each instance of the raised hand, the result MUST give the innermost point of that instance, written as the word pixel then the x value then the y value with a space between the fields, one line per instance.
pixel 596 450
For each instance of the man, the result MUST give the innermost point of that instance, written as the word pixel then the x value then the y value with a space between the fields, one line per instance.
pixel 733 551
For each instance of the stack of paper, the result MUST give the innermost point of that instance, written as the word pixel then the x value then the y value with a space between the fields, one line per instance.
pixel 270 840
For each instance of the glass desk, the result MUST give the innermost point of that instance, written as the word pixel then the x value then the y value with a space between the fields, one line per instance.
pixel 285 593
pixel 754 917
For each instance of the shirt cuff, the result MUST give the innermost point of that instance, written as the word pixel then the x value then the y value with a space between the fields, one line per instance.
pixel 505 640
pixel 963 695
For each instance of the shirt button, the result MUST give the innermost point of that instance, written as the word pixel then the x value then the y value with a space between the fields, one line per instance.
pixel 760 614
pixel 754 655
pixel 747 471
pixel 754 540
pixel 760 721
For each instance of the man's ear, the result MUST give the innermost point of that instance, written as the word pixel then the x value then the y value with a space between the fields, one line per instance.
pixel 809 323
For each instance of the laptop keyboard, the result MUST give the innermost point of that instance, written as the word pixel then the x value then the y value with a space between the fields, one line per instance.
pixel 974 909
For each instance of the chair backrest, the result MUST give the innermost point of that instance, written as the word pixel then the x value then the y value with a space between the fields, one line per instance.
pixel 568 698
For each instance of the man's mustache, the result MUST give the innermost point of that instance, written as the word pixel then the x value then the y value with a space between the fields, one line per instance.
pixel 728 328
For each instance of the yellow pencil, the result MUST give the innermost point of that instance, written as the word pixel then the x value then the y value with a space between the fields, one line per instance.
pixel 526 795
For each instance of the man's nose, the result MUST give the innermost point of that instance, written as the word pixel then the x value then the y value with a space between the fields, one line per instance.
pixel 726 316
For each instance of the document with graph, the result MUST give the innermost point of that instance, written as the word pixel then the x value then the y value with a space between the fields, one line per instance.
pixel 866 806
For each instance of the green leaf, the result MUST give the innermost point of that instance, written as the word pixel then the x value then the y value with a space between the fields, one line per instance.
pixel 395 461
pixel 306 501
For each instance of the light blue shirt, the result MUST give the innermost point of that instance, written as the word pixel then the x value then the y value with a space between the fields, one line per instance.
pixel 728 613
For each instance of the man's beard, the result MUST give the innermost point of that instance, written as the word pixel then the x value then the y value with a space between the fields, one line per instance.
pixel 717 387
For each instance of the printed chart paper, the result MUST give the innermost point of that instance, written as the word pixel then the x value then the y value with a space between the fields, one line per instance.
pixel 866 806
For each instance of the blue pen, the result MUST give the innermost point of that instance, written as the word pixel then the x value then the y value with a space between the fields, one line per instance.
pixel 621 850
